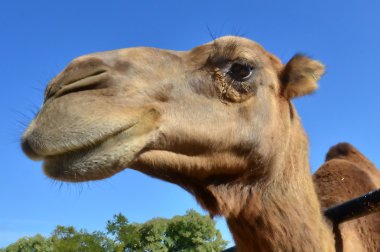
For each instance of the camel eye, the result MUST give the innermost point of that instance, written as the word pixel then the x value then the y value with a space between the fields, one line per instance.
pixel 240 71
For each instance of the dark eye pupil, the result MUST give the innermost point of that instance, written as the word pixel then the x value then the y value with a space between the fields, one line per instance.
pixel 240 71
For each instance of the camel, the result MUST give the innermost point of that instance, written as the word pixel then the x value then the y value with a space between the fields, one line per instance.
pixel 216 120
pixel 347 174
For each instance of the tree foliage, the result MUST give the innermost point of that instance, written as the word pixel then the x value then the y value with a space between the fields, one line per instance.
pixel 69 240
pixel 190 232
pixel 194 232
pixel 37 243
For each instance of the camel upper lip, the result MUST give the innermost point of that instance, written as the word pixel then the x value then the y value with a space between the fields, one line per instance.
pixel 28 149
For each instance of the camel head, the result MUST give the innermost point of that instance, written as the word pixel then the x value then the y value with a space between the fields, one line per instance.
pixel 217 112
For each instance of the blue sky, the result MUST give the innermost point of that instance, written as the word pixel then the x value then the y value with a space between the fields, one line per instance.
pixel 38 38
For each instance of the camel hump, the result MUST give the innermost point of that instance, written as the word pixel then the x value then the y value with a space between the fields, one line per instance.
pixel 342 150
pixel 345 175
pixel 349 153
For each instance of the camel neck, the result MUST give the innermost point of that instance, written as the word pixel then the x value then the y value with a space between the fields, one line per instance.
pixel 281 213
pixel 279 222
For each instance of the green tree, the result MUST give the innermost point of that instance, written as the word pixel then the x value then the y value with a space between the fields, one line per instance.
pixel 126 235
pixel 191 232
pixel 37 243
pixel 194 232
pixel 153 235
pixel 69 240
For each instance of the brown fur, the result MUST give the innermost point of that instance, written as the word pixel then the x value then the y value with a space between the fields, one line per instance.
pixel 236 144
pixel 300 76
pixel 347 174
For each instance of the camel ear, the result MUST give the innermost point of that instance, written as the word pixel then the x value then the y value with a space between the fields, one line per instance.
pixel 300 75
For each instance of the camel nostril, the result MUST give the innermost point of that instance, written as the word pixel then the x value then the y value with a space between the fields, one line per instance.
pixel 28 150
pixel 81 74
pixel 87 82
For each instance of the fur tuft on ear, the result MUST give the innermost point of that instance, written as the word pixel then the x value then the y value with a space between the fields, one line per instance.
pixel 300 75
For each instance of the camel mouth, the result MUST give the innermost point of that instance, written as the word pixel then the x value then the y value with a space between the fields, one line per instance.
pixel 91 153
pixel 95 162
pixel 37 146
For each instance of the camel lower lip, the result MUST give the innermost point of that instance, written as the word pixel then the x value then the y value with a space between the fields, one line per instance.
pixel 89 163
pixel 101 160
